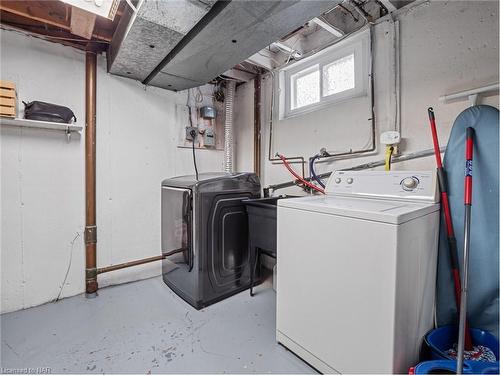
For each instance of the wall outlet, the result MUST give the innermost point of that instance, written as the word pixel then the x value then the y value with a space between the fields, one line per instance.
pixel 189 131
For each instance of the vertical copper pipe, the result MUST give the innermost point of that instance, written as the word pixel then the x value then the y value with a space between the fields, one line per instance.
pixel 257 124
pixel 90 175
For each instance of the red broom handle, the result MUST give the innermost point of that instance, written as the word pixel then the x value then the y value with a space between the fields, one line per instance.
pixel 435 139
pixel 452 242
pixel 468 166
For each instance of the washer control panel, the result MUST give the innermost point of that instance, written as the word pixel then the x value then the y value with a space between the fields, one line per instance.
pixel 405 185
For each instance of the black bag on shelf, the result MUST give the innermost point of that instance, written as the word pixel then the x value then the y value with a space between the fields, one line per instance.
pixel 42 111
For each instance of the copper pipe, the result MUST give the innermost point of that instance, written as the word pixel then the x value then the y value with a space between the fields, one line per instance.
pixel 257 125
pixel 90 173
pixel 129 264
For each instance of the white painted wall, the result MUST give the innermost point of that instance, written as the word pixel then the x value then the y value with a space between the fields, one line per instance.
pixel 445 47
pixel 42 176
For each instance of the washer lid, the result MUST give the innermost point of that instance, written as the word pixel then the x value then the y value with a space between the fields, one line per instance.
pixel 393 212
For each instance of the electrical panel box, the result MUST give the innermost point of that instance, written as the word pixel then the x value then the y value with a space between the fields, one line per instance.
pixel 209 137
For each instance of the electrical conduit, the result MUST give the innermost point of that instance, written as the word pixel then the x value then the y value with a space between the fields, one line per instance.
pixel 228 128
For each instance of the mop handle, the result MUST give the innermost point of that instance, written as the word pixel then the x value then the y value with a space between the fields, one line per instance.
pixel 469 149
pixel 452 242
pixel 467 222
pixel 435 139
pixel 443 187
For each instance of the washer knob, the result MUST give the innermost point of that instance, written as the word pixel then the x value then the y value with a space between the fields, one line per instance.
pixel 409 183
pixel 349 180
pixel 337 180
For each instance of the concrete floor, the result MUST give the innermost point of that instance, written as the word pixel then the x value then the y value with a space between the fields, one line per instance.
pixel 144 327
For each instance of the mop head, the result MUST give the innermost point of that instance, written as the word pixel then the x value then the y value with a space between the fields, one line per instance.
pixel 478 353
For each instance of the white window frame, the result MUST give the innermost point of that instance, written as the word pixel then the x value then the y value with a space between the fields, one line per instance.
pixel 357 44
pixel 293 82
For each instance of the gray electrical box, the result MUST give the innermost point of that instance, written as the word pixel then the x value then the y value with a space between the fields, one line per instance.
pixel 209 137
pixel 207 112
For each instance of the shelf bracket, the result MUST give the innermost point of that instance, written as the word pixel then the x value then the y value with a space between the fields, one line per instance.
pixel 473 100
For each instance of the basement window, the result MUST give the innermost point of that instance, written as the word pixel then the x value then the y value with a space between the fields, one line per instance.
pixel 335 74
pixel 305 87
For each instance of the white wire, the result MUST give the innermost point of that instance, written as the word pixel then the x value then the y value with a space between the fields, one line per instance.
pixel 292 52
pixel 198 96
pixel 72 243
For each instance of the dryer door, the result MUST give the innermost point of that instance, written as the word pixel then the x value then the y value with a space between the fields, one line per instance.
pixel 227 242
pixel 176 226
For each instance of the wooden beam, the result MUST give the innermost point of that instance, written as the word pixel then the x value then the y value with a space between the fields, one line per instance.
pixel 295 52
pixel 238 75
pixel 325 25
pixel 46 12
pixel 56 36
pixel 82 22
pixel 264 59
pixel 36 11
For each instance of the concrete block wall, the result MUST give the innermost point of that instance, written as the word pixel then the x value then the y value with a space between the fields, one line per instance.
pixel 42 175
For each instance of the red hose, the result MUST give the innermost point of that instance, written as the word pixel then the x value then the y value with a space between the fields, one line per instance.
pixel 307 183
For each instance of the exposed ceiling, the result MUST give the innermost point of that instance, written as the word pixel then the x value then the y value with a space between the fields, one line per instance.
pixel 340 21
pixel 52 20
pixel 186 43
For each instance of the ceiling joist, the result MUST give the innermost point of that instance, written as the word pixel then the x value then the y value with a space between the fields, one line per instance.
pixel 82 22
pixel 325 25
pixel 58 15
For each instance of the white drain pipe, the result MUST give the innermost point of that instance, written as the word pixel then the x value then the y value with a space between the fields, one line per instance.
pixel 228 128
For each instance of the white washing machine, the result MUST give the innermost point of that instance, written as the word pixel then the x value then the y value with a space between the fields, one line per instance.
pixel 356 271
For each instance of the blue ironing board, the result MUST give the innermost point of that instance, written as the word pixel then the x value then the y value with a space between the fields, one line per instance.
pixel 483 296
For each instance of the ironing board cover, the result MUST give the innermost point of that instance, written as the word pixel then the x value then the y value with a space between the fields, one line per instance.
pixel 483 291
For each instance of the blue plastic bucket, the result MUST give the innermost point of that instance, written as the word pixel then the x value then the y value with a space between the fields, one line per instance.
pixel 444 366
pixel 441 339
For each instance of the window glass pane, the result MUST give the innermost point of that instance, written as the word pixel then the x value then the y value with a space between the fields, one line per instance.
pixel 338 76
pixel 306 87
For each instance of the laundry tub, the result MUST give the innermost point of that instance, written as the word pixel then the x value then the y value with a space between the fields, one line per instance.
pixel 261 231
